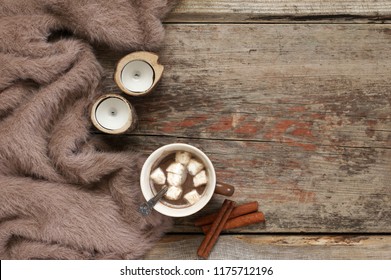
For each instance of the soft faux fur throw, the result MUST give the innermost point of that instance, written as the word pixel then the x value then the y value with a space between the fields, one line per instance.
pixel 62 195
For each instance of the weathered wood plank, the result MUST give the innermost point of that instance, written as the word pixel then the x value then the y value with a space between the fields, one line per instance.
pixel 329 190
pixel 302 85
pixel 281 11
pixel 276 247
pixel 303 114
pixel 297 117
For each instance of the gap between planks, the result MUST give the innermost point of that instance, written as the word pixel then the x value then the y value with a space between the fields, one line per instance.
pixel 277 247
pixel 129 135
pixel 287 20
pixel 281 11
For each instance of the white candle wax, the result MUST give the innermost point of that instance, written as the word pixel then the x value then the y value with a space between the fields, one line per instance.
pixel 137 76
pixel 113 113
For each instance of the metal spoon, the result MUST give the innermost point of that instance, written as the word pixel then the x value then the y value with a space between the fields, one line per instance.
pixel 146 208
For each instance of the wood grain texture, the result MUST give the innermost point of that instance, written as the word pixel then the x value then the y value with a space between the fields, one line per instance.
pixel 306 86
pixel 297 117
pixel 331 190
pixel 276 247
pixel 331 11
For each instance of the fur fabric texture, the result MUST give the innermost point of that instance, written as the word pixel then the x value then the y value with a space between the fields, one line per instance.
pixel 63 194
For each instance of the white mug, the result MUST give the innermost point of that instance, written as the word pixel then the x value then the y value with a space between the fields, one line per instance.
pixel 211 186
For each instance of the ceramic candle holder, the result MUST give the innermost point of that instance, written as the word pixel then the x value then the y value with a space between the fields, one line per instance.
pixel 138 73
pixel 113 114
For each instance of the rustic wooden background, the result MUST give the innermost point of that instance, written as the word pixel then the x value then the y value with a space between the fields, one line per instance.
pixel 292 102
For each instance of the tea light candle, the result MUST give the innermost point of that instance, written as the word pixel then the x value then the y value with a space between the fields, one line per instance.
pixel 112 114
pixel 138 73
pixel 137 76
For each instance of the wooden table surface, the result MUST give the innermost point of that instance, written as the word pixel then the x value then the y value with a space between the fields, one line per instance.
pixel 292 102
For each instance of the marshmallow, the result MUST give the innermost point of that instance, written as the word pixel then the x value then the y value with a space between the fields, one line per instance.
pixel 174 193
pixel 182 157
pixel 200 179
pixel 158 176
pixel 176 168
pixel 192 197
pixel 176 179
pixel 194 167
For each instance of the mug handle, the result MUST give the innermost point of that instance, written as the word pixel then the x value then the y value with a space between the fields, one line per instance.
pixel 224 189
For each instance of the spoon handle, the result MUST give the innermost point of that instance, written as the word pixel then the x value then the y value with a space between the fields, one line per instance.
pixel 146 208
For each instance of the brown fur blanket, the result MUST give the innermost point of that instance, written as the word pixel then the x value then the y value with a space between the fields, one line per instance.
pixel 63 195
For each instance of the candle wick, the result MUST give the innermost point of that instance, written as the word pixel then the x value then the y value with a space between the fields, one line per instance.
pixel 113 112
pixel 137 75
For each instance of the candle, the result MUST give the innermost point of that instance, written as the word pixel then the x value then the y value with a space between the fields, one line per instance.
pixel 138 73
pixel 137 76
pixel 113 114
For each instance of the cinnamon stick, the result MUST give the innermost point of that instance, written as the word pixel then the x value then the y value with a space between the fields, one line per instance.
pixel 216 234
pixel 241 221
pixel 213 228
pixel 216 228
pixel 238 211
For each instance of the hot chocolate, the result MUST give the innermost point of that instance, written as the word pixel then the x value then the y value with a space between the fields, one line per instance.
pixel 185 176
